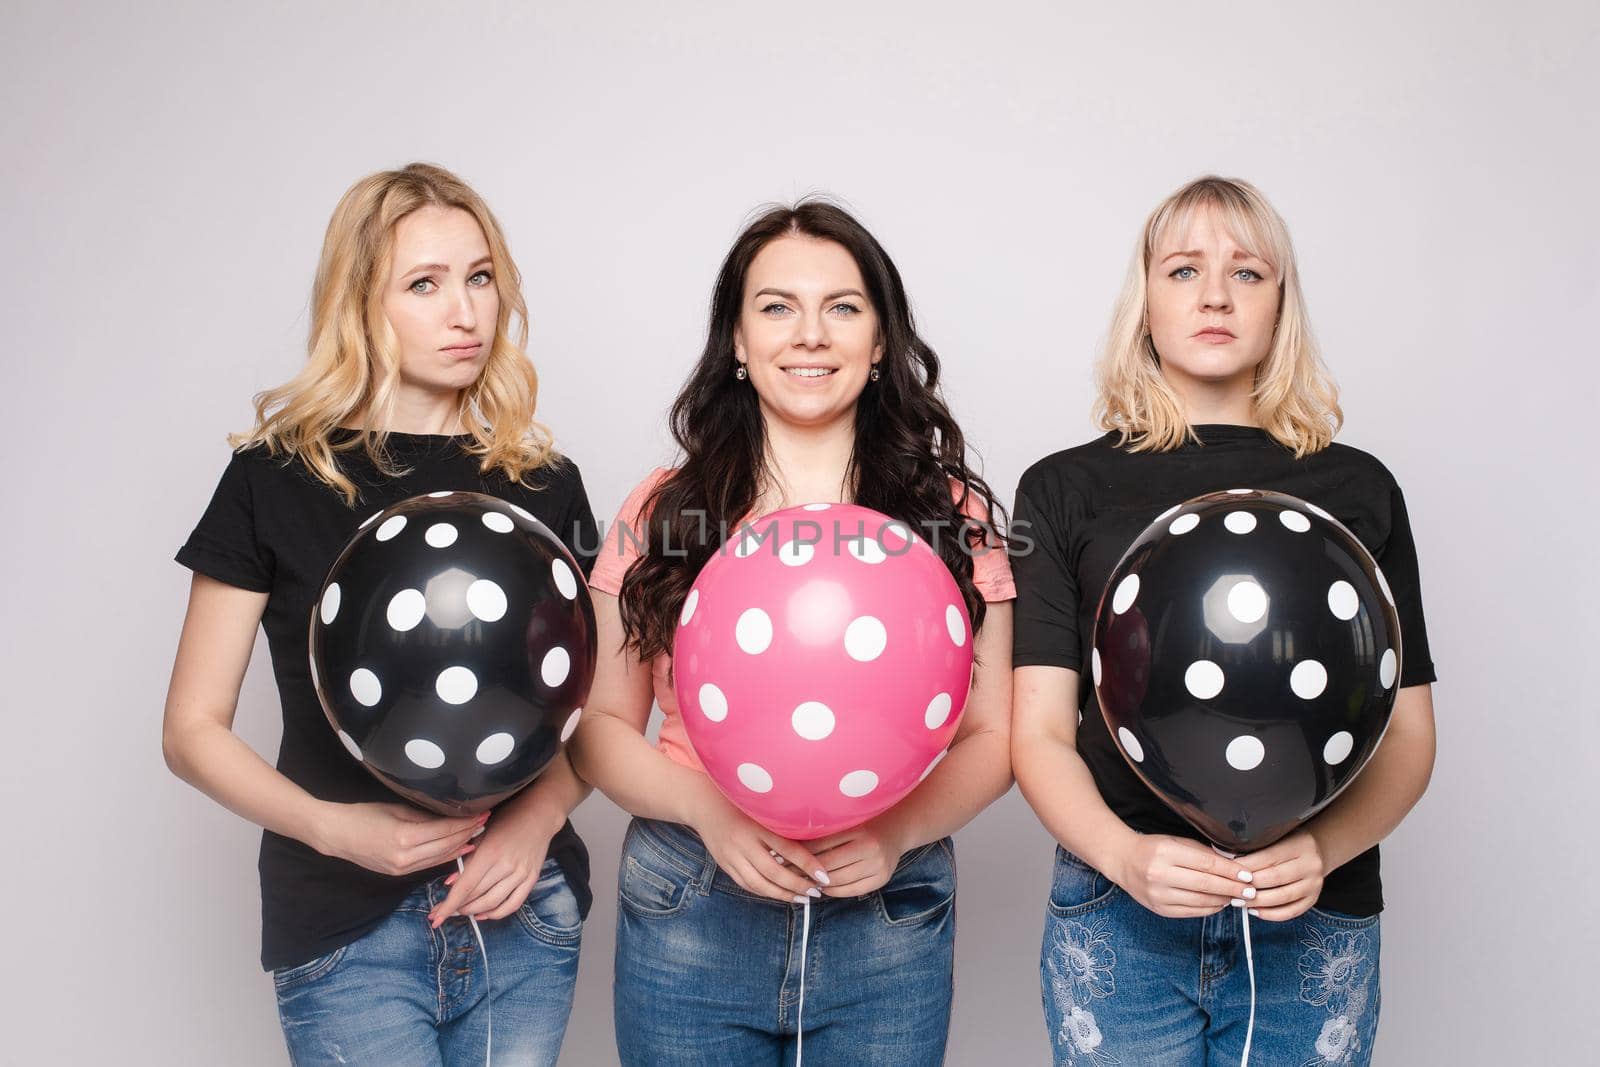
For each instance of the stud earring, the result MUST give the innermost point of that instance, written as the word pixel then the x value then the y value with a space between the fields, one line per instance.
pixel 875 375
pixel 740 373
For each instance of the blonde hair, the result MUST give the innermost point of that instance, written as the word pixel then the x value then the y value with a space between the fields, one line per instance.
pixel 1294 398
pixel 353 367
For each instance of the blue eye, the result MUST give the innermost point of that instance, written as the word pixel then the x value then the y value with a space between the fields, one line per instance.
pixel 1183 274
pixel 1247 275
pixel 848 309
pixel 774 308
pixel 422 286
pixel 482 277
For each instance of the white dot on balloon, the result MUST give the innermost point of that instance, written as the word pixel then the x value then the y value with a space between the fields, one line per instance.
pixel 1094 664
pixel 748 545
pixel 955 621
pixel 865 639
pixel 440 535
pixel 1203 679
pixel 350 745
pixel 938 712
pixel 456 685
pixel 1130 744
pixel 1308 679
pixel 1123 598
pixel 1338 748
pixel 936 761
pixel 753 631
pixel 494 748
pixel 1184 523
pixel 524 512
pixel 1383 584
pixel 1239 522
pixel 713 703
pixel 690 602
pixel 555 666
pixel 858 783
pixel 1247 601
pixel 365 687
pixel 866 549
pixel 754 778
pixel 818 507
pixel 812 720
pixel 797 553
pixel 1293 520
pixel 1246 752
pixel 1342 600
pixel 441 493
pixel 390 527
pixel 424 754
pixel 486 600
pixel 1387 667
pixel 330 603
pixel 406 609
pixel 897 535
pixel 498 522
pixel 566 581
pixel 572 724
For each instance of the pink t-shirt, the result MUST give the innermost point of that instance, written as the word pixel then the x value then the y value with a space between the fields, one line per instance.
pixel 991 573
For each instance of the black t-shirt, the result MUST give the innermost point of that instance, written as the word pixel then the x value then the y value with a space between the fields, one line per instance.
pixel 273 528
pixel 1084 506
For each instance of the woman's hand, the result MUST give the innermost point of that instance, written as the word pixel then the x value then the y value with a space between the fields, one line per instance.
pixel 1179 878
pixel 759 860
pixel 859 860
pixel 1287 876
pixel 394 838
pixel 505 864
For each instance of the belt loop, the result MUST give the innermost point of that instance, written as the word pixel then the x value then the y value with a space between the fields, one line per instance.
pixel 708 869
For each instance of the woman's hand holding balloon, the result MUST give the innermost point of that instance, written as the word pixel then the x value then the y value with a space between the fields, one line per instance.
pixel 394 838
pixel 1287 876
pixel 1179 878
pixel 861 859
pixel 759 860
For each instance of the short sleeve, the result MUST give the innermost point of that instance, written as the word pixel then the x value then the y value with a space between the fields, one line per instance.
pixel 224 544
pixel 1046 613
pixel 622 541
pixel 577 524
pixel 1398 561
pixel 991 569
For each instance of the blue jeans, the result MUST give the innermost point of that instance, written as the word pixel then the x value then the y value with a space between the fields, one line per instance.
pixel 707 973
pixel 403 995
pixel 1122 985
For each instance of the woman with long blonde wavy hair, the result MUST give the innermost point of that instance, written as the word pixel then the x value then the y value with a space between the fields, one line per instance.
pixel 416 382
pixel 1210 379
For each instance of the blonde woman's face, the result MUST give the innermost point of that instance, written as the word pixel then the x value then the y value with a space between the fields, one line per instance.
pixel 1213 306
pixel 807 334
pixel 441 299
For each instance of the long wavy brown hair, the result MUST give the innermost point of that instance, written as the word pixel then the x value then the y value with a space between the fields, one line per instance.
pixel 908 449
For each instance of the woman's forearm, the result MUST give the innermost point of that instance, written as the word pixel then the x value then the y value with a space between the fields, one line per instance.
pixel 213 759
pixel 617 759
pixel 974 774
pixel 1062 792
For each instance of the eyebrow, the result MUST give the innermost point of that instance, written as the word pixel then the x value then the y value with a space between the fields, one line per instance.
pixel 836 294
pixel 1195 253
pixel 440 268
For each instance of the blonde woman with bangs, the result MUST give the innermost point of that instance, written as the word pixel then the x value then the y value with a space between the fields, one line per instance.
pixel 1210 379
pixel 417 382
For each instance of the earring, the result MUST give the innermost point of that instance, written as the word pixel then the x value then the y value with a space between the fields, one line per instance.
pixel 875 375
pixel 740 373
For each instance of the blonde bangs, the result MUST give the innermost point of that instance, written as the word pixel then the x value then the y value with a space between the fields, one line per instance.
pixel 353 367
pixel 1294 398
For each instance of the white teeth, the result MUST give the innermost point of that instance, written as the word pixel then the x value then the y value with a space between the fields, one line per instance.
pixel 810 372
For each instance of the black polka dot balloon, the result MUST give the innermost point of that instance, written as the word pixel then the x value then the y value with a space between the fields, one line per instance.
pixel 1246 655
pixel 452 647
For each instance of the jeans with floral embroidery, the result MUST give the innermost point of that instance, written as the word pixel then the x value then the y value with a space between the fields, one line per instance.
pixel 1122 985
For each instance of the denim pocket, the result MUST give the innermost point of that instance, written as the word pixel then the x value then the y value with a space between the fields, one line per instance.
pixel 651 888
pixel 551 911
pixel 289 977
pixel 1340 919
pixel 922 888
pixel 1076 887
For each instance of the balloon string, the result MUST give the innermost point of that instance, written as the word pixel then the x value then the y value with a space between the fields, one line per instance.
pixel 488 986
pixel 800 1012
pixel 1250 963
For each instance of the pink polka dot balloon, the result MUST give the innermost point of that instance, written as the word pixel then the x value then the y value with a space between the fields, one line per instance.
pixel 821 664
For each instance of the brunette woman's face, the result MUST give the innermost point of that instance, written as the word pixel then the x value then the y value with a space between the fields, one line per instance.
pixel 807 334
pixel 440 299
pixel 1213 306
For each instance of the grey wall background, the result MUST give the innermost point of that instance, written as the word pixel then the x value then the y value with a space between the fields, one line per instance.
pixel 168 175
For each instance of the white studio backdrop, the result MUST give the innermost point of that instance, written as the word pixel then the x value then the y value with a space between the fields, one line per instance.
pixel 169 172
